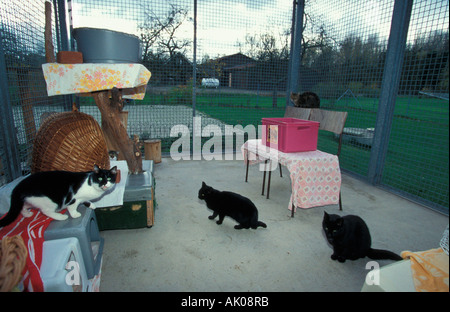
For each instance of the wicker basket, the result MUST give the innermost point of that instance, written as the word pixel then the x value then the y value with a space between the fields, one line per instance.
pixel 13 256
pixel 70 141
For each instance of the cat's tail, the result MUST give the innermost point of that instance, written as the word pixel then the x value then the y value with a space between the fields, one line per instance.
pixel 16 207
pixel 380 254
pixel 262 224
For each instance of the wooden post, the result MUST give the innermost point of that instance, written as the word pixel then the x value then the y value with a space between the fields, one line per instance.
pixel 111 142
pixel 49 53
pixel 152 150
pixel 112 125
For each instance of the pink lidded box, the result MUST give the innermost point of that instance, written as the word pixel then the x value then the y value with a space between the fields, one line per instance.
pixel 290 135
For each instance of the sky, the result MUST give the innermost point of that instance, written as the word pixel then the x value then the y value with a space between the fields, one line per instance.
pixel 221 24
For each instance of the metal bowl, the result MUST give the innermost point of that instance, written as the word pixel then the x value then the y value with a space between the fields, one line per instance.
pixel 107 46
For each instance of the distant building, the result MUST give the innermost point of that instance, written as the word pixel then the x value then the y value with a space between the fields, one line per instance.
pixel 242 72
pixel 235 71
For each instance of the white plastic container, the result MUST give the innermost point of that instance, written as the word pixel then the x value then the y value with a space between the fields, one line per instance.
pixel 85 229
pixel 62 268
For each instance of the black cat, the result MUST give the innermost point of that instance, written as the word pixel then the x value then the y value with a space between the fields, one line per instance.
pixel 232 205
pixel 305 100
pixel 350 238
pixel 52 191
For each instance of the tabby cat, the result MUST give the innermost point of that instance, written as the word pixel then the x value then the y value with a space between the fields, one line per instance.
pixel 52 191
pixel 350 238
pixel 305 100
pixel 230 204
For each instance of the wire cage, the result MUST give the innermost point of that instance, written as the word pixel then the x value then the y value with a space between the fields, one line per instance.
pixel 247 46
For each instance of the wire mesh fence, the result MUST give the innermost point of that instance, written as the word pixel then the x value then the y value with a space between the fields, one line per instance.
pixel 237 82
pixel 418 155
pixel 344 52
pixel 240 74
pixel 24 96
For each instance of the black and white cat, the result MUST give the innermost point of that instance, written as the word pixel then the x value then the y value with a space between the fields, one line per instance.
pixel 350 238
pixel 51 191
pixel 230 204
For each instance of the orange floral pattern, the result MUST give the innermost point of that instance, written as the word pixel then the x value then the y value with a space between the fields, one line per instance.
pixel 429 269
pixel 83 78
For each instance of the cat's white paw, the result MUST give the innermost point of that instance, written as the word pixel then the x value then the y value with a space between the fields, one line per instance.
pixel 27 213
pixel 59 217
pixel 75 214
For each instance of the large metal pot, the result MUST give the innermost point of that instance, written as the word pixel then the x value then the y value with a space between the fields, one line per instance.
pixel 107 46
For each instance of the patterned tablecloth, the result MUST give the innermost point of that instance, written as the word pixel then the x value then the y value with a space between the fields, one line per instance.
pixel 315 176
pixel 88 77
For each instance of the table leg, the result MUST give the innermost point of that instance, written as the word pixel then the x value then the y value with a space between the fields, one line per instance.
pixel 264 177
pixel 268 182
pixel 246 170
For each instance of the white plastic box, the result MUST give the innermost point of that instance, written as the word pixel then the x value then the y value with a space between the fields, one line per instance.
pixel 63 268
pixel 85 229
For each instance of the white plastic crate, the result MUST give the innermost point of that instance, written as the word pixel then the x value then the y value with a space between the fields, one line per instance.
pixel 63 268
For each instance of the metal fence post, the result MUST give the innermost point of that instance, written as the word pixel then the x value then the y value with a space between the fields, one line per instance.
pixel 389 87
pixel 194 63
pixel 296 58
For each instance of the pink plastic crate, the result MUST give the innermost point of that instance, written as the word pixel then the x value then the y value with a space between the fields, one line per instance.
pixel 290 135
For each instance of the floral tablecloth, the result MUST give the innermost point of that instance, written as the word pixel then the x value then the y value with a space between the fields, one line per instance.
pixel 315 176
pixel 83 78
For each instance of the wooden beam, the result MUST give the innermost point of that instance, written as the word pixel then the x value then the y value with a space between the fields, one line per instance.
pixel 49 50
pixel 115 130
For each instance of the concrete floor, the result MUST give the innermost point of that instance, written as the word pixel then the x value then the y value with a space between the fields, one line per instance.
pixel 185 251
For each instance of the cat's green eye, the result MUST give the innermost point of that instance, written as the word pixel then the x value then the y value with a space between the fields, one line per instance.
pixel 109 179
pixel 100 179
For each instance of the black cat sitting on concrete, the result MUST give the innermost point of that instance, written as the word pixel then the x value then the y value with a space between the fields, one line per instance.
pixel 350 238
pixel 231 205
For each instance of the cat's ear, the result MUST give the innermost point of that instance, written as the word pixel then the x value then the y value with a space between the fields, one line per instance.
pixel 113 170
pixel 96 169
pixel 326 216
pixel 203 184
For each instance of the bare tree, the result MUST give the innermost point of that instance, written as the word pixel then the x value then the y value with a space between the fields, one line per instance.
pixel 160 32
